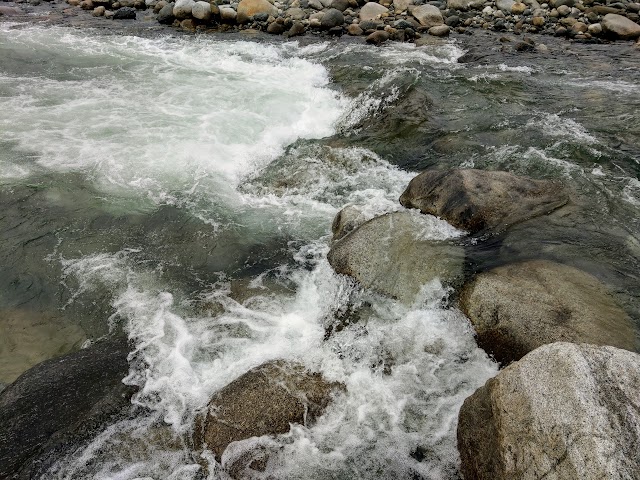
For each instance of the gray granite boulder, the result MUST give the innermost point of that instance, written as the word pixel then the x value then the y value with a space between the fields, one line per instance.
pixel 563 412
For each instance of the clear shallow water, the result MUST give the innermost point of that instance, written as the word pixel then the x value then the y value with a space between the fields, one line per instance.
pixel 182 190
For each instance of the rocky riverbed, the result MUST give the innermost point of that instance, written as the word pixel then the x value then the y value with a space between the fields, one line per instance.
pixel 246 255
pixel 377 22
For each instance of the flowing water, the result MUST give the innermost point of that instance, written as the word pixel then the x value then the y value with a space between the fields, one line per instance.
pixel 181 190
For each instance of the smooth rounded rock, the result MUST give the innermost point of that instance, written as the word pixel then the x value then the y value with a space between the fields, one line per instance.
pixel 563 412
pixel 182 9
pixel 354 29
pixel 332 18
pixel 439 31
pixel 391 255
pixel 517 308
pixel 165 15
pixel 372 11
pixel 620 27
pixel 378 37
pixel 227 15
pixel 201 11
pixel 476 200
pixel 464 4
pixel 249 8
pixel 427 15
pixel 264 401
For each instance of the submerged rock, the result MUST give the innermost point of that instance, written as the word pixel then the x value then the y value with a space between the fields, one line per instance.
pixel 517 308
pixel 393 255
pixel 263 401
pixel 564 411
pixel 59 403
pixel 30 337
pixel 476 200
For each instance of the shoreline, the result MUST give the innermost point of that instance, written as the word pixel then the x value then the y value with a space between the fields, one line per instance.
pixel 522 37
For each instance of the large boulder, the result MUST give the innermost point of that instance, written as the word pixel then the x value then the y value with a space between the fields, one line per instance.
pixel 371 11
pixel 59 403
pixel 620 27
pixel 564 411
pixel 395 255
pixel 30 337
pixel 249 8
pixel 476 200
pixel 201 11
pixel 332 18
pixel 263 401
pixel 182 9
pixel 464 4
pixel 517 308
pixel 427 15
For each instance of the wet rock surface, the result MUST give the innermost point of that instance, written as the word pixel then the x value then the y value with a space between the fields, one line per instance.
pixel 264 401
pixel 58 404
pixel 476 200
pixel 390 254
pixel 564 411
pixel 519 307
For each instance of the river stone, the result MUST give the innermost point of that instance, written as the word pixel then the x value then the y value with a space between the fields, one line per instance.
pixel 390 255
pixel 296 29
pixel 371 11
pixel 476 200
pixel 427 15
pixel 295 13
pixel 201 10
pixel 620 27
pixel 227 15
pixel 504 5
pixel 378 37
pixel 401 5
pixel 182 9
pixel 125 13
pixel 98 11
pixel 249 8
pixel 165 15
pixel 347 219
pixel 354 29
pixel 57 404
pixel 332 18
pixel 263 401
pixel 341 5
pixel 519 307
pixel 563 412
pixel 439 31
pixel 465 4
pixel 518 8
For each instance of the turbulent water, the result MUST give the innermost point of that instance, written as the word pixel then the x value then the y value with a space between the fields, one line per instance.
pixel 181 190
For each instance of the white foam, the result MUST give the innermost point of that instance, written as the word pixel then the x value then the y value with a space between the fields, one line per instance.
pixel 165 118
pixel 554 125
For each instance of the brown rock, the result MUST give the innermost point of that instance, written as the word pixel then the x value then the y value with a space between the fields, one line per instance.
pixel 439 31
pixel 563 412
pixel 378 37
pixel 264 401
pixel 519 307
pixel 620 27
pixel 476 200
pixel 354 30
pixel 248 8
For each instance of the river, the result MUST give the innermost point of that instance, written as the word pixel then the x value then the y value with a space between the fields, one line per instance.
pixel 181 189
